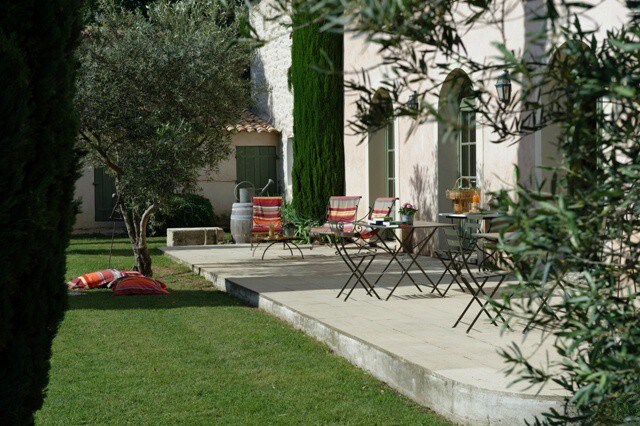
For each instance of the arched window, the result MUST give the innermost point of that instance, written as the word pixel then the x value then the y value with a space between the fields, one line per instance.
pixel 467 140
pixel 457 135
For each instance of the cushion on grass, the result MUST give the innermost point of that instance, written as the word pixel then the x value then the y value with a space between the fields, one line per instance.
pixel 99 279
pixel 138 285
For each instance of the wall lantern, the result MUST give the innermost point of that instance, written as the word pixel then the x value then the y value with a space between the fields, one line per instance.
pixel 413 103
pixel 503 87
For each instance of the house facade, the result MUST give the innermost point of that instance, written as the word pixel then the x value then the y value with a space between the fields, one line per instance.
pixel 255 157
pixel 262 142
pixel 419 162
pixel 272 95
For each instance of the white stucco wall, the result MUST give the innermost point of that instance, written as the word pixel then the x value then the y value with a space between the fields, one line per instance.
pixel 218 187
pixel 85 193
pixel 269 74
pixel 417 165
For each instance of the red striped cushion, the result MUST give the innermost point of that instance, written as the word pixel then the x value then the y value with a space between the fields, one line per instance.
pixel 382 207
pixel 99 279
pixel 266 210
pixel 139 285
pixel 327 229
pixel 343 209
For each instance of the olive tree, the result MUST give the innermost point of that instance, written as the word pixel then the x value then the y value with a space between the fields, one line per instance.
pixel 154 95
pixel 576 243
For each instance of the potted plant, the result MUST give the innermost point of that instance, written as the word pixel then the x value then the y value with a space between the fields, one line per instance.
pixel 407 211
pixel 289 229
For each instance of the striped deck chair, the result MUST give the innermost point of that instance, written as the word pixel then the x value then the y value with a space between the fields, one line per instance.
pixel 265 211
pixel 382 207
pixel 341 217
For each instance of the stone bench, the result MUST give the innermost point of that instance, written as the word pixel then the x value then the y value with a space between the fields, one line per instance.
pixel 194 236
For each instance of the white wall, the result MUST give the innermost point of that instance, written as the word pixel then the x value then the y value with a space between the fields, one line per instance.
pixel 417 150
pixel 218 188
pixel 269 74
pixel 85 193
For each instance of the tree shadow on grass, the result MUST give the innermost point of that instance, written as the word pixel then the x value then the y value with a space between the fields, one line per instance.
pixel 95 251
pixel 105 300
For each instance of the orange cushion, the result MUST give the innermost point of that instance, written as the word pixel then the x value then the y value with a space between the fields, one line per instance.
pixel 99 279
pixel 139 285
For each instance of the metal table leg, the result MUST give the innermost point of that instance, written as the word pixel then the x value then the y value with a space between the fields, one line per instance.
pixel 414 260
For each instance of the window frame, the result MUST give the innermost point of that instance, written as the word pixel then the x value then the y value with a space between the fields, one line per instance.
pixel 468 107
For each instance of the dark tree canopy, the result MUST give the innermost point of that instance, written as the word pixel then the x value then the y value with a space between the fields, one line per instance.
pixel 37 136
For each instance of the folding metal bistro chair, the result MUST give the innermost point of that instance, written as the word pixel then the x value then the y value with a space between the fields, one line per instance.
pixel 266 211
pixel 339 228
pixel 381 209
pixel 461 245
pixel 473 279
pixel 342 213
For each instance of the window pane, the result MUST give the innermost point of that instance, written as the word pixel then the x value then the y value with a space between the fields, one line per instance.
pixel 472 160
pixel 391 188
pixel 391 164
pixel 464 162
pixel 390 141
pixel 472 128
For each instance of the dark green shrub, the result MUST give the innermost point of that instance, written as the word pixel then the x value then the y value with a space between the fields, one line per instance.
pixel 184 211
pixel 37 136
pixel 318 105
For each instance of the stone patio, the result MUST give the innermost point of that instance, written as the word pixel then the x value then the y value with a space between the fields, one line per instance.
pixel 408 341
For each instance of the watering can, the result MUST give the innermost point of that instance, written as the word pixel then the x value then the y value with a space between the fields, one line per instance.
pixel 245 195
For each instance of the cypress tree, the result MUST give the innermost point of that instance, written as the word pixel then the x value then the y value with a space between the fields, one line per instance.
pixel 318 108
pixel 39 168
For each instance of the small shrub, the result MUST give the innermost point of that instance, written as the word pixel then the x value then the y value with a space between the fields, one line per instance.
pixel 183 211
pixel 301 225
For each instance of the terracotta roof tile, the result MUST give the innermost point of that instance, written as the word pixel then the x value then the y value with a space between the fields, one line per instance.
pixel 250 122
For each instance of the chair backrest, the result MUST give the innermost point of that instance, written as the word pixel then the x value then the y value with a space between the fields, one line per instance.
pixel 343 208
pixel 452 237
pixel 267 210
pixel 462 239
pixel 382 207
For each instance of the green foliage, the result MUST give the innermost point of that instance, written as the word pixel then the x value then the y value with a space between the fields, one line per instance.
pixel 37 137
pixel 316 66
pixel 155 95
pixel 300 225
pixel 183 211
pixel 576 248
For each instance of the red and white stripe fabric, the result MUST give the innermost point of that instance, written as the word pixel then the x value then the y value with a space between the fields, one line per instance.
pixel 138 285
pixel 382 208
pixel 341 216
pixel 99 279
pixel 266 210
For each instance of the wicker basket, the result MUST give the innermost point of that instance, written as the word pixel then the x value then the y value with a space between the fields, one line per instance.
pixel 461 195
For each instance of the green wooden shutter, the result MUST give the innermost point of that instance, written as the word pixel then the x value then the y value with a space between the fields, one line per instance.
pixel 104 188
pixel 257 164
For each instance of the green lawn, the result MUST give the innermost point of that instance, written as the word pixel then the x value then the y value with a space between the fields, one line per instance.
pixel 198 356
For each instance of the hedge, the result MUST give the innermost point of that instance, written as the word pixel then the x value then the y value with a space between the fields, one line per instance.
pixel 318 109
pixel 39 168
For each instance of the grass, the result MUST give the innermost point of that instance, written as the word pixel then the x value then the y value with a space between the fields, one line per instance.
pixel 198 356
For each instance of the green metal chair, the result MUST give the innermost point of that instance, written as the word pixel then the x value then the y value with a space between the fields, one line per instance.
pixel 456 259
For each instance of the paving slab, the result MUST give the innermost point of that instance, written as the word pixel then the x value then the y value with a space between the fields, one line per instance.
pixel 408 341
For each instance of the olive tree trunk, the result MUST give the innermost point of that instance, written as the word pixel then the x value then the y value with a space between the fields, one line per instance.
pixel 137 230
